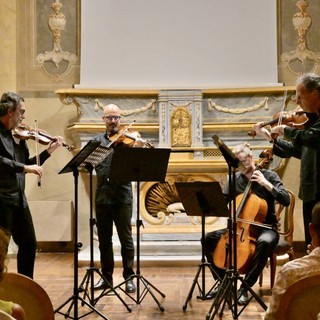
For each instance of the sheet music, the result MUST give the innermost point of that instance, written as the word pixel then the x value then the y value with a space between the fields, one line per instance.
pixel 97 156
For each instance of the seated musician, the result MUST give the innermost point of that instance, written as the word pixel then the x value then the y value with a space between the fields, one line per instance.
pixel 113 203
pixel 267 185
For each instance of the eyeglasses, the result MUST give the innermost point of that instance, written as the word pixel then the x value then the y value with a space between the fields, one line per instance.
pixel 110 118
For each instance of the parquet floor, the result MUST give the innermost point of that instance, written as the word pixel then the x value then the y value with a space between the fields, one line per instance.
pixel 55 273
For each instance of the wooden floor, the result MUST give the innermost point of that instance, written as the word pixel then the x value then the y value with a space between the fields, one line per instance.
pixel 55 273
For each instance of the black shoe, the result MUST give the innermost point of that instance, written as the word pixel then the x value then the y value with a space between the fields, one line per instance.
pixel 212 294
pixel 102 284
pixel 130 287
pixel 243 297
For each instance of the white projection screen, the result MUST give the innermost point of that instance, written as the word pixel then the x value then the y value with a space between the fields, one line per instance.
pixel 172 44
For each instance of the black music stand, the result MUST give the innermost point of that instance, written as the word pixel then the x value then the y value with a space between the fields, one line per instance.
pixel 139 164
pixel 98 155
pixel 202 199
pixel 227 293
pixel 78 161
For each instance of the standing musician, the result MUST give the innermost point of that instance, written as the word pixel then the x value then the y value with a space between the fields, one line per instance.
pixel 113 203
pixel 267 185
pixel 15 216
pixel 302 144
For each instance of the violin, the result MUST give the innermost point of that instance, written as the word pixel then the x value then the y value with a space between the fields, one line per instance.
pixel 127 137
pixel 250 210
pixel 23 132
pixel 297 118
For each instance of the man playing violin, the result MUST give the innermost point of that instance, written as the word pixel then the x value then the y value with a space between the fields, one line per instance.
pixel 15 162
pixel 113 203
pixel 302 144
pixel 267 185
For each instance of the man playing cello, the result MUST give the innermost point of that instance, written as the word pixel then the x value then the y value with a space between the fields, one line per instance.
pixel 267 185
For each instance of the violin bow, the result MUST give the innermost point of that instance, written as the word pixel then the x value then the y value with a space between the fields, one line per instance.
pixel 37 149
pixel 282 107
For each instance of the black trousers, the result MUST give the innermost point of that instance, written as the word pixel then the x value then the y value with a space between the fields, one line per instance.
pixel 18 221
pixel 266 241
pixel 120 215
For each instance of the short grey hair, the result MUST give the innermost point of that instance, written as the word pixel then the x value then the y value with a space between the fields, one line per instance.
pixel 244 148
pixel 311 81
pixel 9 100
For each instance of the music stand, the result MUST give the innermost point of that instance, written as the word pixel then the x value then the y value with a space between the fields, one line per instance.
pixel 140 164
pixel 98 155
pixel 202 199
pixel 80 160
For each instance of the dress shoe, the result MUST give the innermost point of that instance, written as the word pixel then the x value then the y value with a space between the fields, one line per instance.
pixel 243 297
pixel 212 294
pixel 102 284
pixel 130 287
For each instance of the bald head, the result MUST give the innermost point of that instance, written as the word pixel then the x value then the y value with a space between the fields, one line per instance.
pixel 111 117
pixel 110 109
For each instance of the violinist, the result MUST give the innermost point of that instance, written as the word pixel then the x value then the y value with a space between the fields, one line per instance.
pixel 303 144
pixel 15 162
pixel 113 202
pixel 267 185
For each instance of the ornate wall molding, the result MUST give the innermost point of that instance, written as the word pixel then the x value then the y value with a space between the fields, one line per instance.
pixel 184 121
pixel 57 22
pixel 48 44
pixel 302 58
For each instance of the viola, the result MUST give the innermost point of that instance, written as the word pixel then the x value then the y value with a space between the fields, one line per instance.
pixel 127 137
pixel 297 118
pixel 24 132
pixel 250 211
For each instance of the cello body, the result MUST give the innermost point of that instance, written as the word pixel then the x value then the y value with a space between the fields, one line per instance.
pixel 253 209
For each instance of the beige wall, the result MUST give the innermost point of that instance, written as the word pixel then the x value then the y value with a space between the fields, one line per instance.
pixel 54 117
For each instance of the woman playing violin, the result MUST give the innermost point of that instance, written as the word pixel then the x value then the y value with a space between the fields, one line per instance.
pixel 303 144
pixel 114 202
pixel 15 162
pixel 267 185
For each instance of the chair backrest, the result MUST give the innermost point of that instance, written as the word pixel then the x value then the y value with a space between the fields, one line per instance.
pixel 5 316
pixel 29 294
pixel 286 219
pixel 301 300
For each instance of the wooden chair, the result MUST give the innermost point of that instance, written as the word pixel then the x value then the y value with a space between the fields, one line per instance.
pixel 29 294
pixel 5 316
pixel 301 300
pixel 285 245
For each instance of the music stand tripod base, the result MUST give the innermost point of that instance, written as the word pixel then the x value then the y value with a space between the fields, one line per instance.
pixel 73 166
pixel 140 164
pixel 204 199
pixel 87 283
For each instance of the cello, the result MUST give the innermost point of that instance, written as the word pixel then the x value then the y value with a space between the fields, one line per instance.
pixel 250 211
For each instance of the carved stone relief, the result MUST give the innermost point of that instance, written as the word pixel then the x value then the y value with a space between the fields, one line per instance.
pixel 184 121
pixel 161 205
pixel 301 53
pixel 48 46
pixel 57 22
